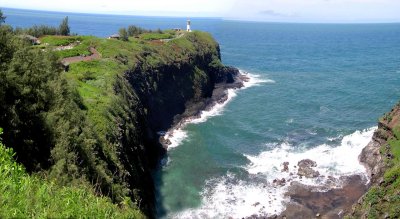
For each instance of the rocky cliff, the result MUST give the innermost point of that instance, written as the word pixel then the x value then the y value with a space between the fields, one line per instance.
pixel 382 160
pixel 162 94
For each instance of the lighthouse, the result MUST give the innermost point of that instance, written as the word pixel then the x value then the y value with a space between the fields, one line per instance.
pixel 188 26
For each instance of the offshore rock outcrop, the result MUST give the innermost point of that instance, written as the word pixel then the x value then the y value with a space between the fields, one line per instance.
pixel 306 168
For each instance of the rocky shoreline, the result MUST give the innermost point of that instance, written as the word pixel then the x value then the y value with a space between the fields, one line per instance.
pixel 377 158
pixel 308 202
pixel 333 198
pixel 234 80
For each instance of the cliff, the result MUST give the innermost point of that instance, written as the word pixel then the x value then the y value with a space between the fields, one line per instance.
pixel 382 160
pixel 100 119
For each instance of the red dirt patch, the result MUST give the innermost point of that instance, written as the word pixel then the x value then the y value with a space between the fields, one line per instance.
pixel 95 55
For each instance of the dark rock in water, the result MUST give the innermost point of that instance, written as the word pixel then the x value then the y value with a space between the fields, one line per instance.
pixel 307 162
pixel 279 182
pixel 306 170
pixel 285 167
pixel 165 141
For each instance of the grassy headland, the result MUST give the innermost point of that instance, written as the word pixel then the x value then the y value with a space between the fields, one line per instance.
pixel 85 134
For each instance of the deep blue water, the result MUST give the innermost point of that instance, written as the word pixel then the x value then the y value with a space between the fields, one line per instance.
pixel 321 82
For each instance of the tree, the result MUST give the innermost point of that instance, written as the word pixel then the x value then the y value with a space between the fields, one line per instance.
pixel 2 17
pixel 64 28
pixel 123 34
pixel 132 30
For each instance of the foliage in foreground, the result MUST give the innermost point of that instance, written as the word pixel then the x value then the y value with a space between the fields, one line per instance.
pixel 24 196
pixel 45 122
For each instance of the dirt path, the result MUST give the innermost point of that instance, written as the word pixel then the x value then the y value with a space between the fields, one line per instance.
pixel 95 55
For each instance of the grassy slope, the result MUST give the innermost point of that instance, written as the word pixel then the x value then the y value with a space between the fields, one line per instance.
pixel 95 79
pixel 383 200
pixel 25 196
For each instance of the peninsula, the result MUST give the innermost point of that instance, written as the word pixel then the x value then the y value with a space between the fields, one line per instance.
pixel 83 115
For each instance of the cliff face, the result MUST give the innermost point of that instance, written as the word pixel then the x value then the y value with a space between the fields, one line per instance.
pixel 151 97
pixel 382 160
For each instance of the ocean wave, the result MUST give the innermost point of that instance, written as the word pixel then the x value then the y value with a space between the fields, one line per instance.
pixel 254 80
pixel 177 135
pixel 228 196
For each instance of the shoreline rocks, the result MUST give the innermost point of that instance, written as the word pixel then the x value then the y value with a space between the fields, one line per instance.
pixel 306 168
pixel 233 80
pixel 285 167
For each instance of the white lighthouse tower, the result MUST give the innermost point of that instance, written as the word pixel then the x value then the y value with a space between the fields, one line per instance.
pixel 188 26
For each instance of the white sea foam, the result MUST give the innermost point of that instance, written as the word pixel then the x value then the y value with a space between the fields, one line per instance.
pixel 289 121
pixel 254 80
pixel 228 196
pixel 331 161
pixel 177 135
pixel 216 109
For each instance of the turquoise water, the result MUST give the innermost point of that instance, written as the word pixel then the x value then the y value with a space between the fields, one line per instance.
pixel 318 88
pixel 329 81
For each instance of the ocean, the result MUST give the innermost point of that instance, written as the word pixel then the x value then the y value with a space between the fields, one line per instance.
pixel 316 91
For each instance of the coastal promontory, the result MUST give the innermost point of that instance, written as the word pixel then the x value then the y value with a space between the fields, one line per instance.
pixel 86 112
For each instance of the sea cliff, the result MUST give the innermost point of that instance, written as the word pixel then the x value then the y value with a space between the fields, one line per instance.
pixel 381 157
pixel 106 106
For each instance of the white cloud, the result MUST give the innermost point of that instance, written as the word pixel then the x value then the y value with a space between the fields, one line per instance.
pixel 319 10
pixel 266 10
pixel 150 7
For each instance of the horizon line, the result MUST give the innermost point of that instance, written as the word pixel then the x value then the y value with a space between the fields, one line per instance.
pixel 111 13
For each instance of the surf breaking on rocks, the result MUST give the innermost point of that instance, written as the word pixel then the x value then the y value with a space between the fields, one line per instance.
pixel 177 134
pixel 263 192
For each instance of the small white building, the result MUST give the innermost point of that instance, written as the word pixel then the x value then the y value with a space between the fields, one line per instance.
pixel 114 36
pixel 188 26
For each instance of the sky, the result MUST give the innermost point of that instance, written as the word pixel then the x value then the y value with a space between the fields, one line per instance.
pixel 325 11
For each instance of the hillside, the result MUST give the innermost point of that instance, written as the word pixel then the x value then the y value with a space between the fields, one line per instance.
pixel 382 158
pixel 93 120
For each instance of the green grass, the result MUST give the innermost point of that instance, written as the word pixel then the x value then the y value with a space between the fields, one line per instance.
pixel 384 199
pixel 78 50
pixel 60 40
pixel 94 81
pixel 156 36
pixel 25 196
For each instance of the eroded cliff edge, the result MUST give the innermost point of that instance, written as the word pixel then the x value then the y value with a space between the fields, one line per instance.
pixel 166 82
pixel 381 157
pixel 170 91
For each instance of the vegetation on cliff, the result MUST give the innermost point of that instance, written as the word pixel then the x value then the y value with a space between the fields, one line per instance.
pixel 31 196
pixel 383 198
pixel 91 125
